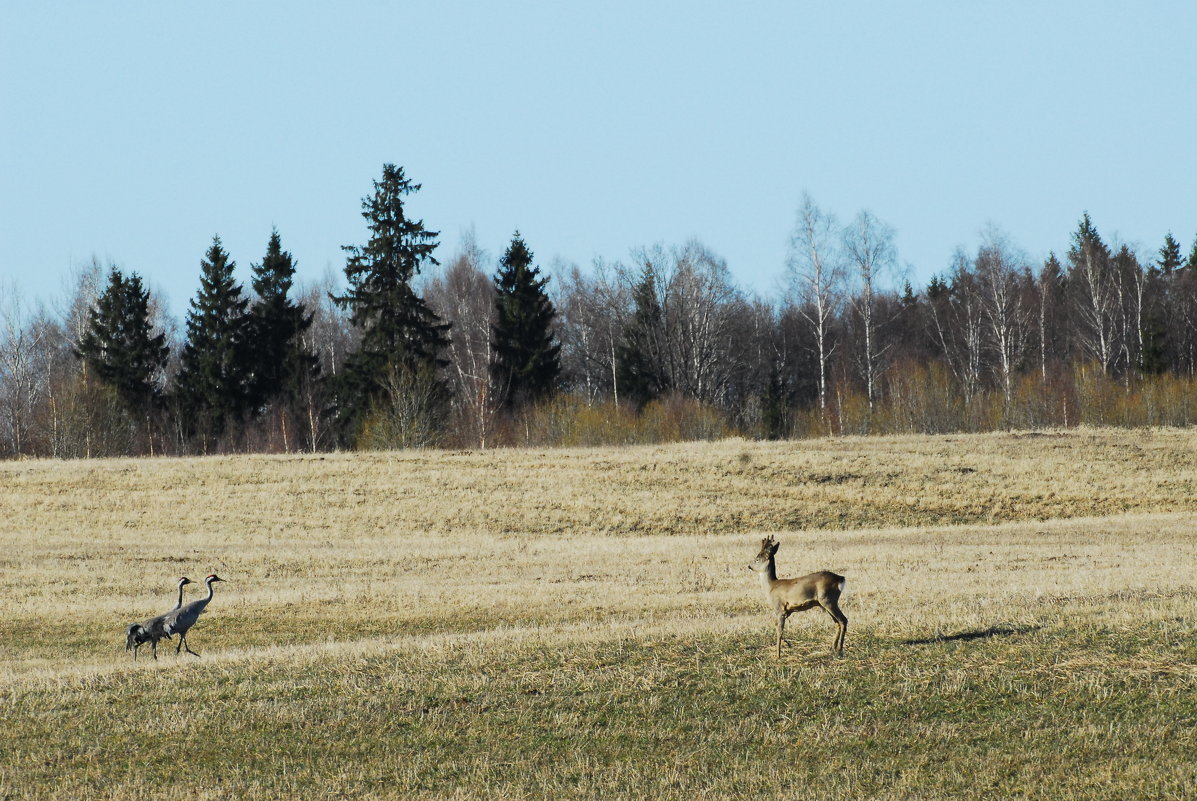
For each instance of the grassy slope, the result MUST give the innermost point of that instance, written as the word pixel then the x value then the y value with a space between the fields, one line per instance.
pixel 397 625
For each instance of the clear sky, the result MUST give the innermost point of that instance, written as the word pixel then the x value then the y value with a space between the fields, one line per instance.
pixel 135 131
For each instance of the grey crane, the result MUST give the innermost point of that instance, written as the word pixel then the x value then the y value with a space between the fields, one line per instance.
pixel 153 629
pixel 180 620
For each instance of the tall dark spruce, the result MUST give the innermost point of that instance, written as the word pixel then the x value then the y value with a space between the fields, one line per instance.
pixel 402 339
pixel 215 374
pixel 639 367
pixel 281 364
pixel 119 345
pixel 1156 309
pixel 525 362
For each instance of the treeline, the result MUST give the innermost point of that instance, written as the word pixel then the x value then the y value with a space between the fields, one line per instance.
pixel 661 347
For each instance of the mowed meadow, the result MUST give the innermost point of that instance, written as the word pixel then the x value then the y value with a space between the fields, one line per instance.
pixel 582 623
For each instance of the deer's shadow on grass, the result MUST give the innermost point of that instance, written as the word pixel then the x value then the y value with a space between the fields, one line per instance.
pixel 981 634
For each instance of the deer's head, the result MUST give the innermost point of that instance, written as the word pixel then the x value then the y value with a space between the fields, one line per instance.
pixel 769 547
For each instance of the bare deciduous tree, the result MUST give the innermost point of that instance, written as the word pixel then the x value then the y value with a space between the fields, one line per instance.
pixel 956 318
pixel 465 297
pixel 1001 278
pixel 592 310
pixel 1095 295
pixel 869 245
pixel 815 269
pixel 25 362
pixel 698 292
pixel 332 339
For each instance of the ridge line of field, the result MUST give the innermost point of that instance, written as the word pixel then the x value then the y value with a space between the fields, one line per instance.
pixel 954 528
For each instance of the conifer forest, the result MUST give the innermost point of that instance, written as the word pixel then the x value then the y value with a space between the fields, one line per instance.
pixel 417 347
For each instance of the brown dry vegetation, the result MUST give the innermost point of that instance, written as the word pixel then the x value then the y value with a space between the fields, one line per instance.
pixel 581 623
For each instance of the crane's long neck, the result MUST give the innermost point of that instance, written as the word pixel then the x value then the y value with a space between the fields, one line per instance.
pixel 180 603
pixel 209 598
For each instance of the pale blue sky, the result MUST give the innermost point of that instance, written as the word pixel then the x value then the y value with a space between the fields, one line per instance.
pixel 135 131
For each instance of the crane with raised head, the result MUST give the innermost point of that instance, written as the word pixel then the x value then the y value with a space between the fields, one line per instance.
pixel 180 621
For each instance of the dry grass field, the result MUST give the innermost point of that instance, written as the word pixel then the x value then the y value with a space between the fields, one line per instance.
pixel 582 623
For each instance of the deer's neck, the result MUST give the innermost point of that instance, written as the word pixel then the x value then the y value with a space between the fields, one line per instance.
pixel 769 576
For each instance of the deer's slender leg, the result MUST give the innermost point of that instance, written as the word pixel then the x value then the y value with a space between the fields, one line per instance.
pixel 841 621
pixel 781 627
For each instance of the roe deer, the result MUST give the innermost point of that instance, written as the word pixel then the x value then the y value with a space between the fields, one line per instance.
pixel 798 594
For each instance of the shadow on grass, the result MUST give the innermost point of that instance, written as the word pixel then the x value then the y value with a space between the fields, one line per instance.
pixel 983 634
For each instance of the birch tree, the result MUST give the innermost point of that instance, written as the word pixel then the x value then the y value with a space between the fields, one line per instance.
pixel 1094 295
pixel 465 297
pixel 870 251
pixel 24 348
pixel 698 324
pixel 1001 280
pixel 956 319
pixel 815 272
pixel 593 309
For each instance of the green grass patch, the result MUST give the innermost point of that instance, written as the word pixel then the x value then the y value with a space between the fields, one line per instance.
pixel 1040 711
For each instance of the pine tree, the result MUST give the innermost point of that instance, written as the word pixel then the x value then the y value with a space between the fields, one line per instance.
pixel 525 362
pixel 119 345
pixel 214 378
pixel 280 362
pixel 640 373
pixel 401 337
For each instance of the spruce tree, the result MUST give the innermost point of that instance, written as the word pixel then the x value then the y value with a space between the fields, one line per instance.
pixel 1087 243
pixel 401 337
pixel 214 377
pixel 119 345
pixel 640 374
pixel 1155 356
pixel 280 362
pixel 1170 258
pixel 525 361
pixel 1157 316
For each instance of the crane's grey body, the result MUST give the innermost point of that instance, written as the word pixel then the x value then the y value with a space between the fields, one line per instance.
pixel 180 620
pixel 154 629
